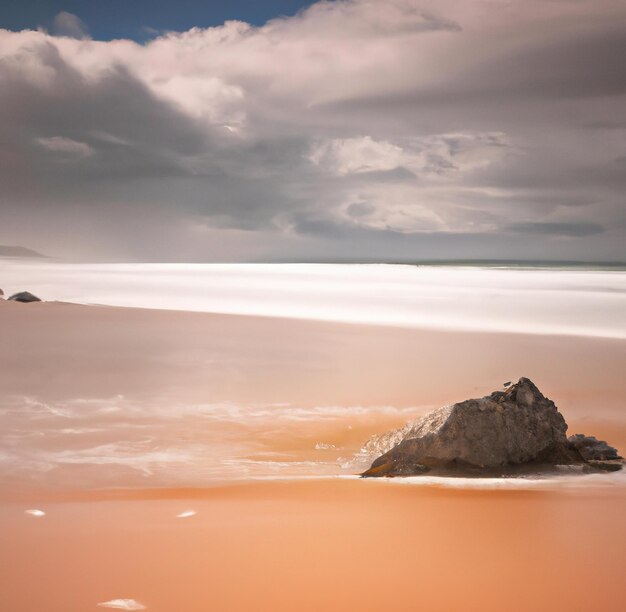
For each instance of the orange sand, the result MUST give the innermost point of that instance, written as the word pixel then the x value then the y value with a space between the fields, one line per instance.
pixel 307 545
pixel 348 545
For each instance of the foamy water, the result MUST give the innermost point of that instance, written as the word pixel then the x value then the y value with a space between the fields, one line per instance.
pixel 103 442
pixel 119 442
pixel 536 301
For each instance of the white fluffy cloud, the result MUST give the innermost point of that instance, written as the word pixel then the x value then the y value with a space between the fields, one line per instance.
pixel 438 155
pixel 501 121
pixel 343 156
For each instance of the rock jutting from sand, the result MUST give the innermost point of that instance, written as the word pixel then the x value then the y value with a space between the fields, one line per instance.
pixel 24 297
pixel 505 433
pixel 593 449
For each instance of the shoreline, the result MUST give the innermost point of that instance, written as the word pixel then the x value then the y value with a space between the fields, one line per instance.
pixel 537 301
pixel 330 322
pixel 569 482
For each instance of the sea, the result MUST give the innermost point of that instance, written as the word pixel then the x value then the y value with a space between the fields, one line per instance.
pixel 565 298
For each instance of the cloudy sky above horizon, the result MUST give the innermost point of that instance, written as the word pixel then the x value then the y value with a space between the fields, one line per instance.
pixel 345 129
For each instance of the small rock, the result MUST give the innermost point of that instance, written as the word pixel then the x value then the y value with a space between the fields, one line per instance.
pixel 593 449
pixel 25 297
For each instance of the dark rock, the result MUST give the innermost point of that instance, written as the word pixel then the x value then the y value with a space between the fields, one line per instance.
pixel 25 297
pixel 592 449
pixel 604 466
pixel 502 433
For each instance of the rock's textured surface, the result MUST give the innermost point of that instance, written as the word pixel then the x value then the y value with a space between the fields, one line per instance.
pixel 507 429
pixel 592 449
pixel 24 296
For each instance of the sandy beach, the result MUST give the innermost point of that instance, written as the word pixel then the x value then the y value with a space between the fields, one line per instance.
pixel 100 403
pixel 313 306
pixel 319 545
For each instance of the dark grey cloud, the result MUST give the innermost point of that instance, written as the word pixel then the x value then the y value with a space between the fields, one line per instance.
pixel 131 133
pixel 360 209
pixel 581 65
pixel 557 229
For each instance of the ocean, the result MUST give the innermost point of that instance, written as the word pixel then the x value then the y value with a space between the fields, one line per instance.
pixel 503 297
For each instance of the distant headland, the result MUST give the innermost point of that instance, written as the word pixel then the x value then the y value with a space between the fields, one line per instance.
pixel 20 251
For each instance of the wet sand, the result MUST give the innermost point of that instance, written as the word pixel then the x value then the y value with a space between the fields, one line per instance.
pixel 330 544
pixel 320 545
pixel 56 351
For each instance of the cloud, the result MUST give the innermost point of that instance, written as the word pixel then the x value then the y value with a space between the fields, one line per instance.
pixel 558 229
pixel 355 155
pixel 367 18
pixel 68 24
pixel 439 154
pixel 67 146
pixel 342 129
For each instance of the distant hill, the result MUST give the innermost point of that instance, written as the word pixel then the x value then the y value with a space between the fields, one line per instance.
pixel 18 251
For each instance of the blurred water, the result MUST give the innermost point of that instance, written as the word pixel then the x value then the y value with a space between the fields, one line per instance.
pixel 536 301
pixel 121 441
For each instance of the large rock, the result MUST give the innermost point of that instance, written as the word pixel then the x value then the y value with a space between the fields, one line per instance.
pixel 24 296
pixel 498 433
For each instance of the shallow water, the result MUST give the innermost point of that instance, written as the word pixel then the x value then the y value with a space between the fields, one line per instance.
pixel 117 442
pixel 535 301
pixel 124 442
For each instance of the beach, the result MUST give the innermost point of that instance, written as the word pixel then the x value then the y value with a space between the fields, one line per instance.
pixel 313 306
pixel 117 420
pixel 319 545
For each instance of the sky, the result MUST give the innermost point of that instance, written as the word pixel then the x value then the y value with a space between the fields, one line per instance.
pixel 338 130
pixel 141 20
